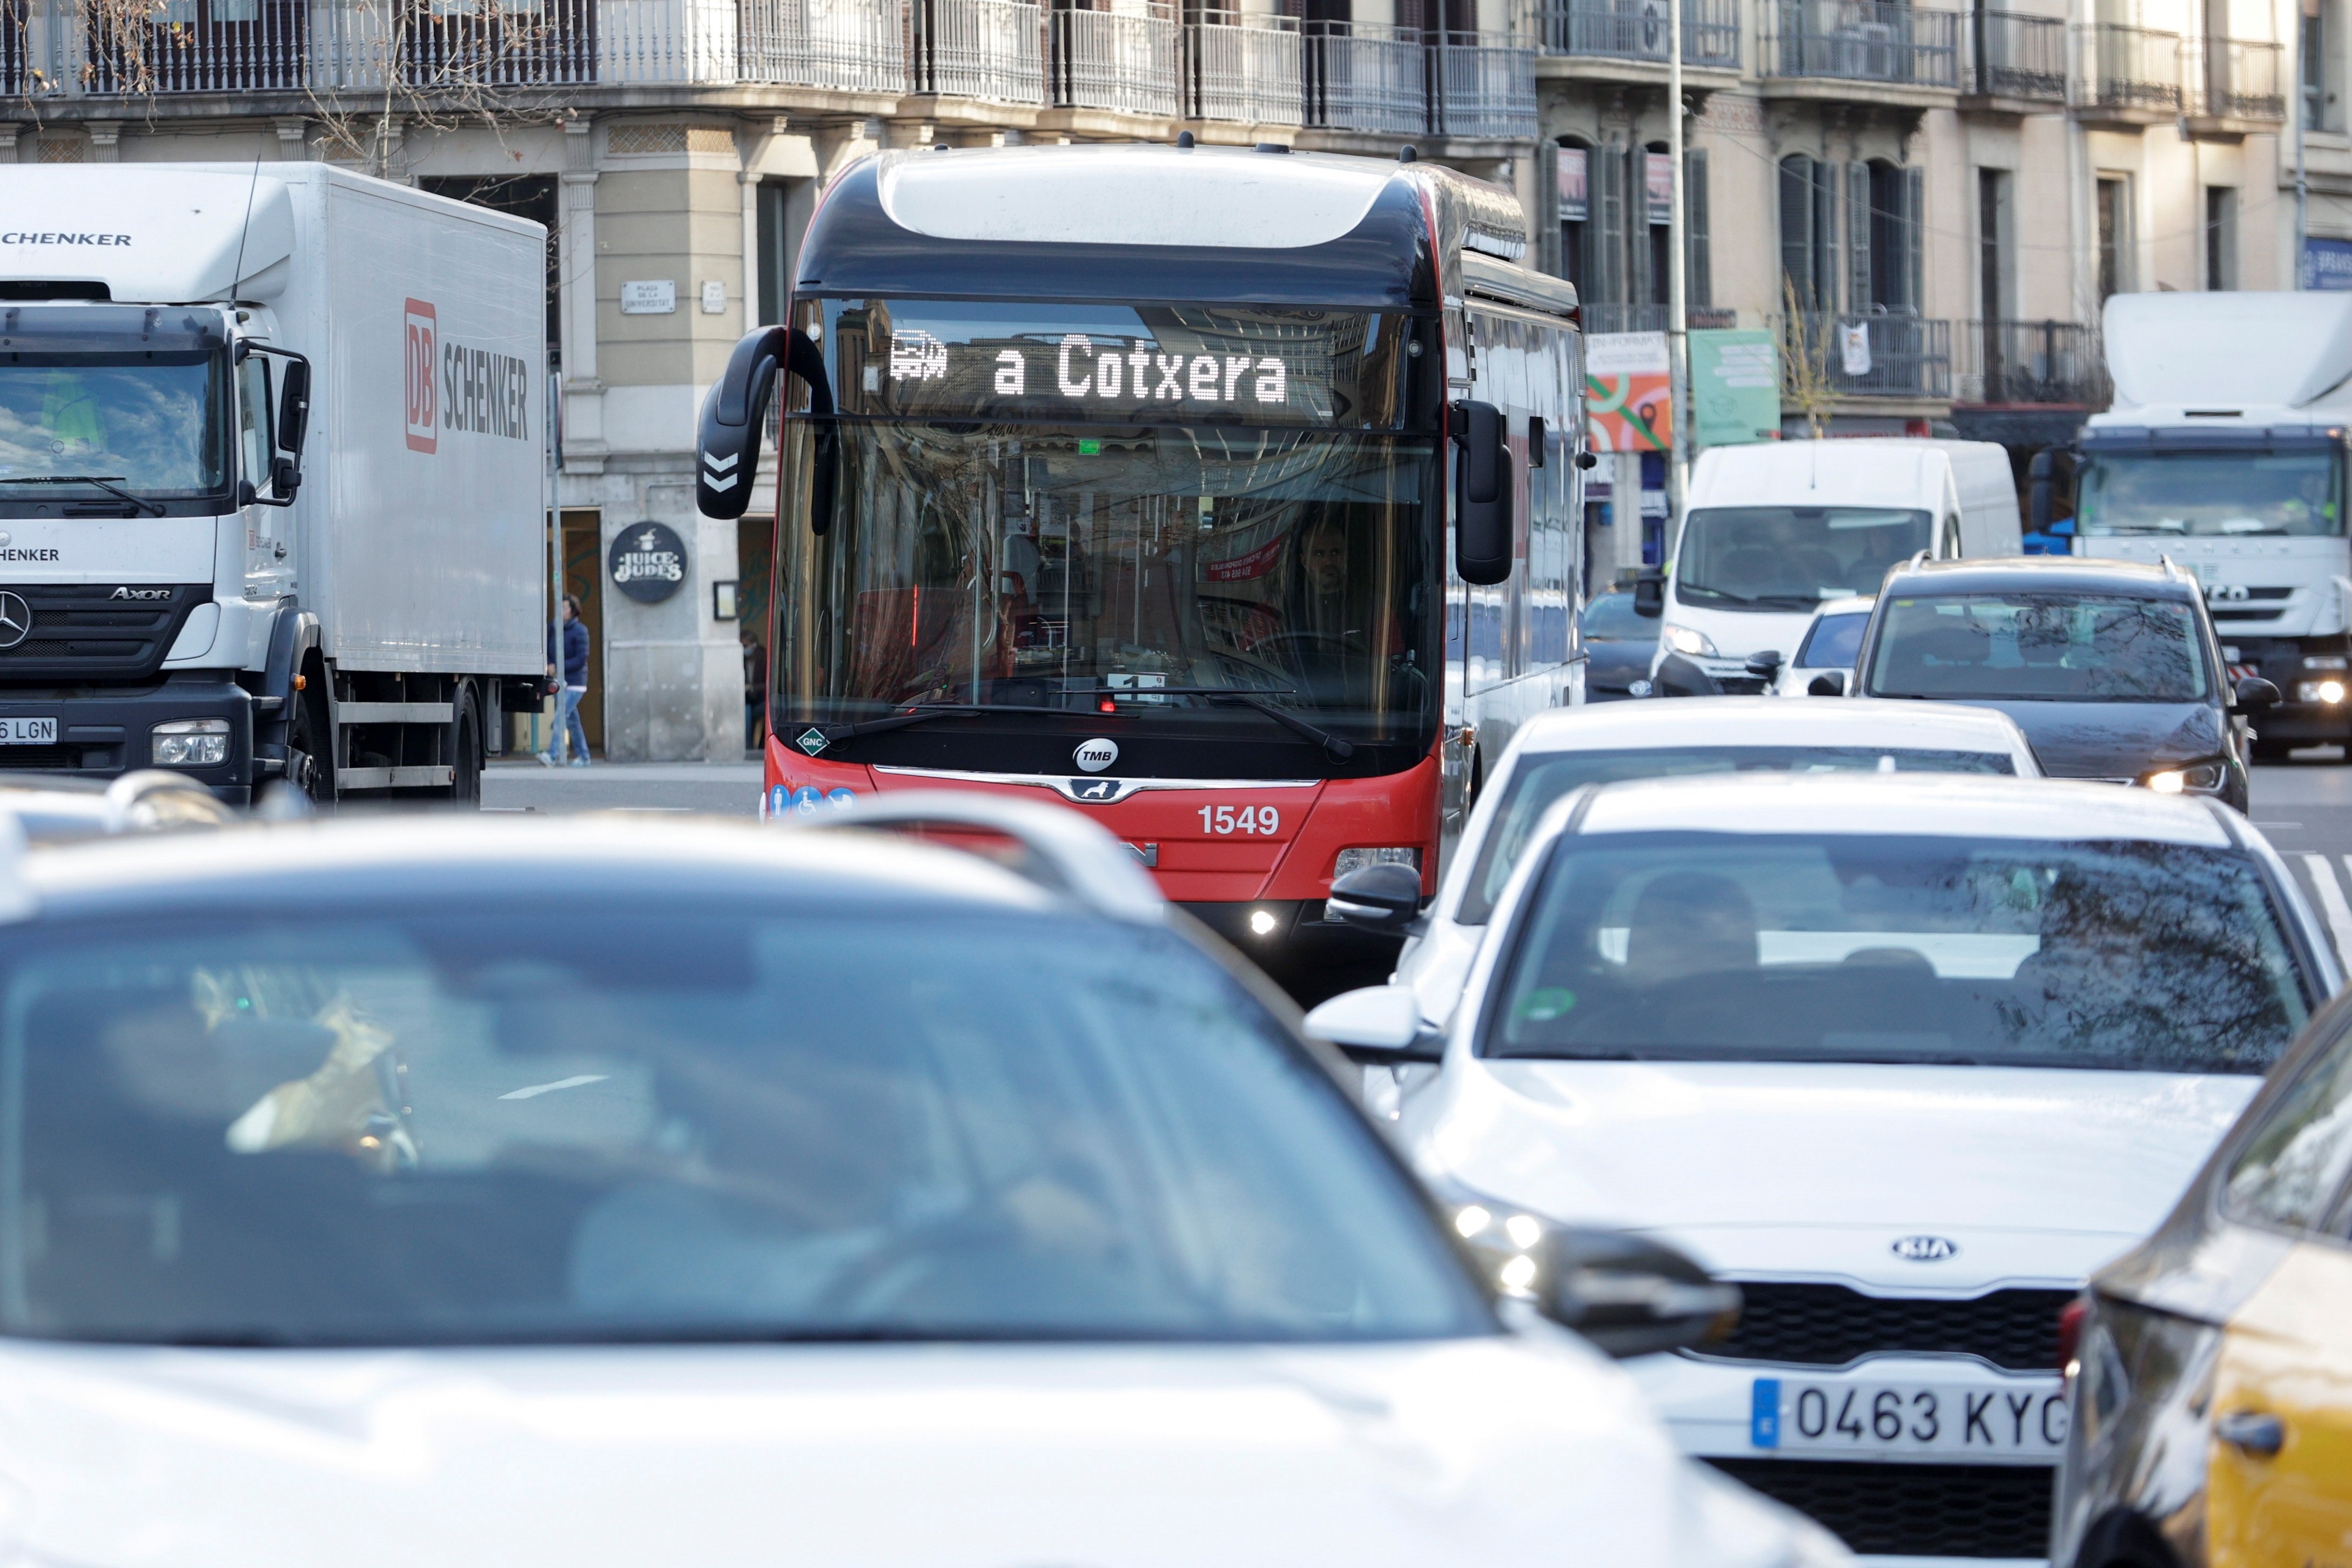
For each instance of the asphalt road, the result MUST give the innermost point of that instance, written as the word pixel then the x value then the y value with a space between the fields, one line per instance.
pixel 2304 807
pixel 727 788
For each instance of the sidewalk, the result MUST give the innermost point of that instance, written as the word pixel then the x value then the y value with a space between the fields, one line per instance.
pixel 728 789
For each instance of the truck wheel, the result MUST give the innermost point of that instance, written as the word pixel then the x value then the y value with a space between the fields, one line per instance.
pixel 465 748
pixel 310 748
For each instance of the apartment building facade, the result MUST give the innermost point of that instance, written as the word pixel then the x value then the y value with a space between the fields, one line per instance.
pixel 1967 184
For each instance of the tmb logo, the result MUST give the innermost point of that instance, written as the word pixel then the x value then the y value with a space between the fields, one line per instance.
pixel 418 360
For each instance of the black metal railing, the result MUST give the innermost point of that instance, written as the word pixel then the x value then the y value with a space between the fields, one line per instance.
pixel 2128 68
pixel 1621 316
pixel 1637 30
pixel 2031 362
pixel 2016 56
pixel 1831 356
pixel 1862 40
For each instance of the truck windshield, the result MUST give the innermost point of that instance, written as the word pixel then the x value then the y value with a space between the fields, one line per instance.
pixel 1705 947
pixel 1791 558
pixel 671 1120
pixel 152 422
pixel 2038 647
pixel 2226 493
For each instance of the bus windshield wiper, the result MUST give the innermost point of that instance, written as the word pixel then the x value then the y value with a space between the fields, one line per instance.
pixel 923 713
pixel 105 482
pixel 1248 696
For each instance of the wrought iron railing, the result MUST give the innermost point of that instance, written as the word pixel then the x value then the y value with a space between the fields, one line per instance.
pixel 1482 85
pixel 1865 356
pixel 1637 29
pixel 854 46
pixel 1244 67
pixel 991 49
pixel 2127 68
pixel 1604 316
pixel 2240 79
pixel 2018 56
pixel 1118 60
pixel 2031 362
pixel 1362 76
pixel 1862 40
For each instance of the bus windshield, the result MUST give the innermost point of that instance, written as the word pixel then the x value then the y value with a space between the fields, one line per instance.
pixel 2207 493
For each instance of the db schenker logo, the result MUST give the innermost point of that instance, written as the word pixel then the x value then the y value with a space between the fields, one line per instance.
pixel 418 357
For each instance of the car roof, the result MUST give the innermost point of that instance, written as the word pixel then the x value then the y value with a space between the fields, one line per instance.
pixel 574 861
pixel 2041 574
pixel 1771 721
pixel 1886 472
pixel 1941 805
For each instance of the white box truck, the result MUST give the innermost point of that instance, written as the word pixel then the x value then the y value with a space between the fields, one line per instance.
pixel 272 476
pixel 1772 530
pixel 2224 450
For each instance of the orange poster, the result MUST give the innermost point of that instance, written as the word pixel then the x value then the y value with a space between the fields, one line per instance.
pixel 1627 405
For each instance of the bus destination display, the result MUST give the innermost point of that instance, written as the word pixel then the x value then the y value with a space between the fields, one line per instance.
pixel 1126 364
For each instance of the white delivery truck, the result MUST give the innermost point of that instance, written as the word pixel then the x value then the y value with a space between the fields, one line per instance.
pixel 1772 530
pixel 2224 450
pixel 272 476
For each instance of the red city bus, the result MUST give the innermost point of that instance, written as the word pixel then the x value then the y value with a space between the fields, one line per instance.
pixel 1120 474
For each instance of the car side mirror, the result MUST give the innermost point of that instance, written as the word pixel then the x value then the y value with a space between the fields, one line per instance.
pixel 1650 594
pixel 1828 683
pixel 1766 665
pixel 2254 693
pixel 1378 1024
pixel 1482 493
pixel 1385 897
pixel 1627 1295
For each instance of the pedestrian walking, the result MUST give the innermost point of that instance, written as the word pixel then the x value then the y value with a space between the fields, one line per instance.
pixel 755 689
pixel 568 730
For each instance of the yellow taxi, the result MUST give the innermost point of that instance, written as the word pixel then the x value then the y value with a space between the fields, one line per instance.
pixel 2210 1370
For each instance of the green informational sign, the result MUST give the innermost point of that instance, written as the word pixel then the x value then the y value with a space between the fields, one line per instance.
pixel 1734 388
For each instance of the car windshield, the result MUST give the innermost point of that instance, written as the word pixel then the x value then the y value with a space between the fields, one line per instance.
pixel 1611 618
pixel 1542 778
pixel 1834 642
pixel 2049 647
pixel 2224 493
pixel 151 423
pixel 1790 558
pixel 680 1122
pixel 1702 946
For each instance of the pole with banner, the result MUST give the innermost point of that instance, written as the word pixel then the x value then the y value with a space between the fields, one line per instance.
pixel 1678 320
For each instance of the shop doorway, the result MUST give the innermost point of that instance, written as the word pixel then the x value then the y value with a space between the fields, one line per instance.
pixel 583 577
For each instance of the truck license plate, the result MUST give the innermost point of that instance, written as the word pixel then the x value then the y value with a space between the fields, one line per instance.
pixel 1866 1417
pixel 28 732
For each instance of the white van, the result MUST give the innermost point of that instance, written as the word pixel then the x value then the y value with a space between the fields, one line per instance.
pixel 1772 530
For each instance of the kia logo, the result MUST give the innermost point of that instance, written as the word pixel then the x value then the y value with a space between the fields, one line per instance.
pixel 1094 756
pixel 1924 1249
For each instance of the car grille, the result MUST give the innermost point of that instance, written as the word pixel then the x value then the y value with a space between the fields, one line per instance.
pixel 1829 1325
pixel 47 758
pixel 80 632
pixel 1924 1510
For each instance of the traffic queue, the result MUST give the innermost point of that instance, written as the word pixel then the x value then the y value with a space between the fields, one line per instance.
pixel 1866 1090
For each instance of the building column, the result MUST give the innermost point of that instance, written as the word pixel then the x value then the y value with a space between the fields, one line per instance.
pixel 575 238
pixel 106 142
pixel 293 139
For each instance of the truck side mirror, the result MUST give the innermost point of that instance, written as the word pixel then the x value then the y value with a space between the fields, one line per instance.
pixel 1482 493
pixel 293 408
pixel 729 444
pixel 1650 594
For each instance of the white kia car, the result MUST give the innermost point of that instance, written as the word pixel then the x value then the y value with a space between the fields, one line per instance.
pixel 603 1193
pixel 1905 1058
pixel 1564 750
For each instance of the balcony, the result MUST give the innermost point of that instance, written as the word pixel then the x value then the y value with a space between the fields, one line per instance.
pixel 1367 77
pixel 988 50
pixel 1897 49
pixel 2031 362
pixel 1603 317
pixel 1822 360
pixel 1244 67
pixel 2018 57
pixel 2127 74
pixel 2238 86
pixel 1635 31
pixel 1482 86
pixel 1123 62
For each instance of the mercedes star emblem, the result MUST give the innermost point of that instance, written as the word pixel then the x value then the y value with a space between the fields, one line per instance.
pixel 16 619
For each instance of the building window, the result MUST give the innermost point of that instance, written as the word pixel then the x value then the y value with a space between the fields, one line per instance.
pixel 1657 233
pixel 2312 41
pixel 2114 236
pixel 1575 184
pixel 1698 260
pixel 2221 236
pixel 1889 255
pixel 1993 244
pixel 1809 207
pixel 781 216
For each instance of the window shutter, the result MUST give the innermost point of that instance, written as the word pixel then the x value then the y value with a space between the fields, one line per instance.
pixel 1797 228
pixel 1857 236
pixel 1827 186
pixel 1696 289
pixel 1608 175
pixel 1915 239
pixel 1546 225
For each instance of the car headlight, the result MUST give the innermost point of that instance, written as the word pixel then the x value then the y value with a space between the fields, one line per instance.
pixel 2197 779
pixel 189 743
pixel 1356 860
pixel 1686 640
pixel 2329 692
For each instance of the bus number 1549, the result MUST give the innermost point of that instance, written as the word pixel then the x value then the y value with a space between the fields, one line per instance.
pixel 1248 820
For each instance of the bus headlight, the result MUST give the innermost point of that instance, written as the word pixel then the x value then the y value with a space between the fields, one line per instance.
pixel 1687 639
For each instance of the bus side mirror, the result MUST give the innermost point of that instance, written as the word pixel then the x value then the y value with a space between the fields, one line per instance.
pixel 1482 493
pixel 729 443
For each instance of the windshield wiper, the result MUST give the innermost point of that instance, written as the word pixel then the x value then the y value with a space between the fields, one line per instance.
pixel 923 713
pixel 1686 586
pixel 1248 696
pixel 105 482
